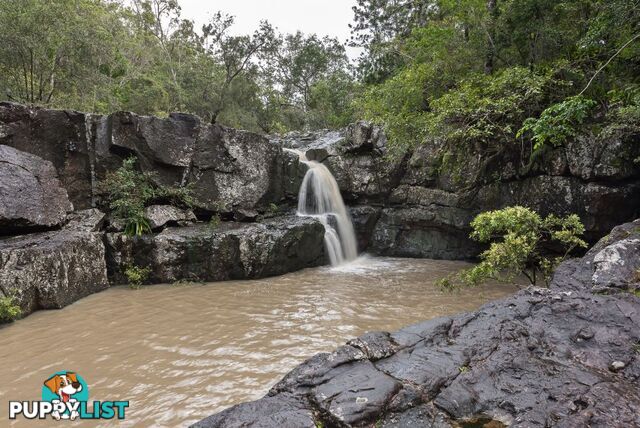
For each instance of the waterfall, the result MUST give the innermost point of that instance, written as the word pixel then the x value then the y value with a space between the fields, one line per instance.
pixel 320 198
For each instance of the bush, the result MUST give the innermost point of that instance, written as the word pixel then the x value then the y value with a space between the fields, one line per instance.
pixel 558 122
pixel 9 310
pixel 136 276
pixel 129 191
pixel 519 241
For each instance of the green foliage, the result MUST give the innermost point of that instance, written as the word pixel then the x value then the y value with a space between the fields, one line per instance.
pixel 130 191
pixel 215 221
pixel 558 122
pixel 273 209
pixel 9 310
pixel 455 74
pixel 136 276
pixel 143 56
pixel 519 240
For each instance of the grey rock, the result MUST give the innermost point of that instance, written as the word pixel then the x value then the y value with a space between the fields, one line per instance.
pixel 363 136
pixel 53 269
pixel 58 136
pixel 162 215
pixel 616 366
pixel 235 170
pixel 89 220
pixel 229 251
pixel 364 220
pixel 30 194
pixel 429 232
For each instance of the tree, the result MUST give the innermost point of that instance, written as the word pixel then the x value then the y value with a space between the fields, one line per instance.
pixel 521 242
pixel 234 53
pixel 379 26
pixel 52 51
pixel 302 61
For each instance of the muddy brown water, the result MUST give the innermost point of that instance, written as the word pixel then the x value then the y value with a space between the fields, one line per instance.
pixel 179 353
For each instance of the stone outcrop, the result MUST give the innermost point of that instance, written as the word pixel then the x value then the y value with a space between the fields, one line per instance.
pixel 228 170
pixel 31 196
pixel 53 269
pixel 215 253
pixel 427 197
pixel 161 215
pixel 563 356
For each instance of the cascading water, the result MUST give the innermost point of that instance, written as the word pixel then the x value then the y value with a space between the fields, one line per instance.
pixel 320 198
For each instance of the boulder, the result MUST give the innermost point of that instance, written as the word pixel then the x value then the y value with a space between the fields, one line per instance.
pixel 563 356
pixel 30 194
pixel 436 232
pixel 62 137
pixel 228 251
pixel 89 220
pixel 164 147
pixel 162 215
pixel 53 269
pixel 234 170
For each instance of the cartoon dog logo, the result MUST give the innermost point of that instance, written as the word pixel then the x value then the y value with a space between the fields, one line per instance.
pixel 65 385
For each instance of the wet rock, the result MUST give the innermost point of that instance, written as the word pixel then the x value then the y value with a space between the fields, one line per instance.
pixel 355 392
pixel 282 411
pixel 53 269
pixel 364 220
pixel 514 362
pixel 162 215
pixel 427 232
pixel 229 251
pixel 30 194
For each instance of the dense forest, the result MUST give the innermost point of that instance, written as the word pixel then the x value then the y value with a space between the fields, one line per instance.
pixel 482 71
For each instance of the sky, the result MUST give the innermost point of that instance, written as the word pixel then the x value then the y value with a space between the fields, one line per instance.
pixel 323 17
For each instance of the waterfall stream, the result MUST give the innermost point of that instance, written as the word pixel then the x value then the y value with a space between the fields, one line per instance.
pixel 320 198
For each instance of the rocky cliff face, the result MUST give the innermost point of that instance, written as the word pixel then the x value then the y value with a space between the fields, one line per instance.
pixel 420 203
pixel 229 170
pixel 564 356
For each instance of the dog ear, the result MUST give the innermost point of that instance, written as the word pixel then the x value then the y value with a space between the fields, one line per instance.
pixel 53 383
pixel 72 376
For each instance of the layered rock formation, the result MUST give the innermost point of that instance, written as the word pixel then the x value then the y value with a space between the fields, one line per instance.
pixel 420 203
pixel 564 356
pixel 229 171
pixel 230 251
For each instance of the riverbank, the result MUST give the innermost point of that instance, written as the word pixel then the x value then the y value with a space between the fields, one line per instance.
pixel 568 355
pixel 59 243
pixel 181 351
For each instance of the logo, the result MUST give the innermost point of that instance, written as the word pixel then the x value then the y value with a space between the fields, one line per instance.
pixel 65 395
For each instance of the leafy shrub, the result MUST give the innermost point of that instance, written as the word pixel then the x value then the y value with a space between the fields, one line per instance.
pixel 480 108
pixel 136 276
pixel 129 191
pixel 273 209
pixel 519 238
pixel 215 221
pixel 558 122
pixel 9 310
